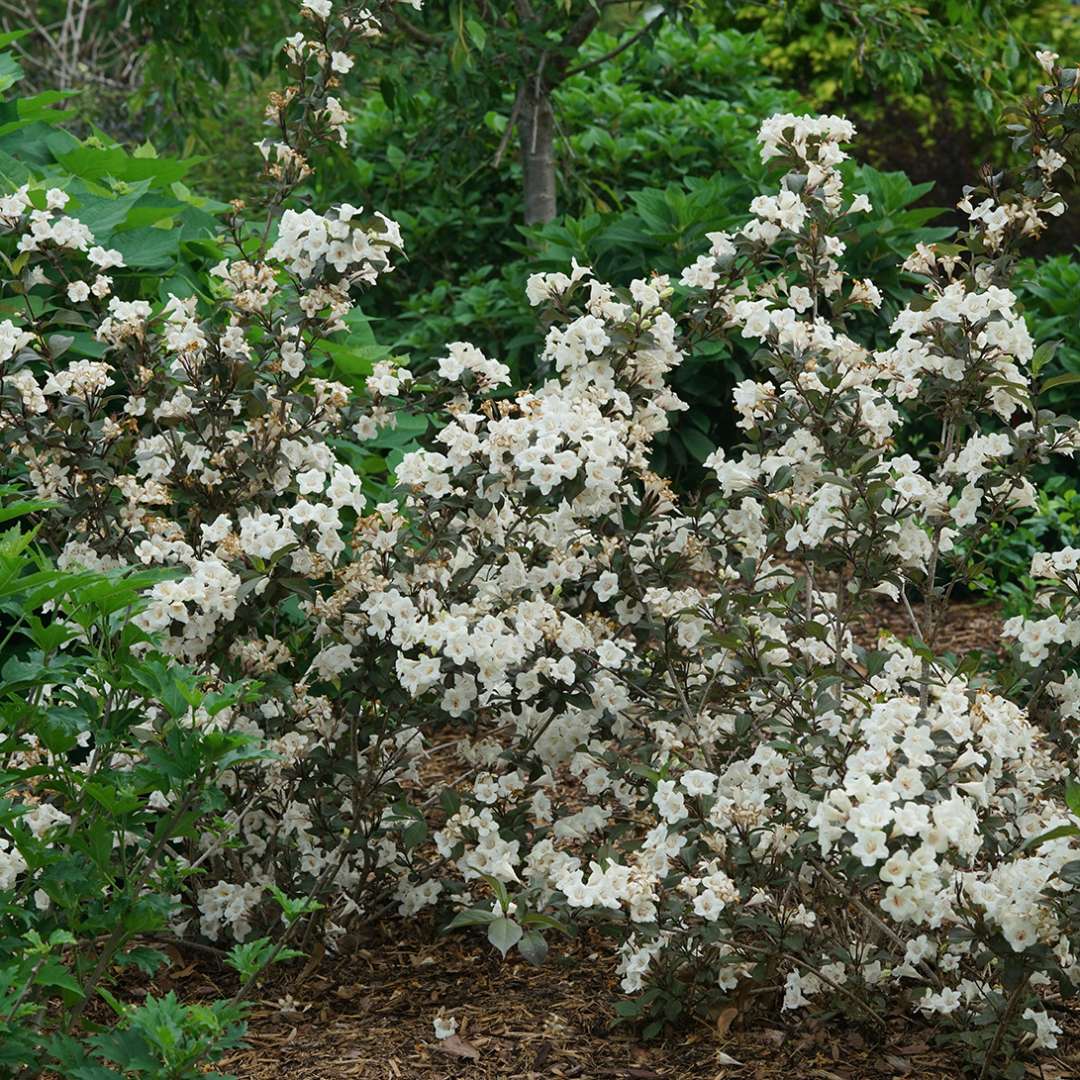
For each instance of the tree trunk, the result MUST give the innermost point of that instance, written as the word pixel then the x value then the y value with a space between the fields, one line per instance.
pixel 536 127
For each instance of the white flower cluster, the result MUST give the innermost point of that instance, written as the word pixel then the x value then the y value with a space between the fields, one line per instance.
pixel 359 253
pixel 767 742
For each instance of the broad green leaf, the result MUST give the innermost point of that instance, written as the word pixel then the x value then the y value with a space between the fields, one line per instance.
pixel 471 917
pixel 504 934
pixel 533 946
pixel 1062 380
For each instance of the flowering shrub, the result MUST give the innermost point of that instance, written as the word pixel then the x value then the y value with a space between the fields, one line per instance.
pixel 186 436
pixel 682 734
pixel 662 714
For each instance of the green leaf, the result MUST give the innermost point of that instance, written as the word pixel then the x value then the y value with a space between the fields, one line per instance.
pixel 250 957
pixel 148 248
pixel 499 889
pixel 55 974
pixel 535 918
pixel 504 934
pixel 414 835
pixel 984 100
pixel 147 960
pixel 1053 834
pixel 1070 872
pixel 92 163
pixel 471 917
pixel 291 909
pixel 357 361
pixel 699 445
pixel 1043 355
pixel 26 506
pixel 103 213
pixel 532 946
pixel 115 801
pixel 477 33
pixel 1062 380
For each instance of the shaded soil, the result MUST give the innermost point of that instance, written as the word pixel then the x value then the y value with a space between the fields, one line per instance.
pixel 370 1016
pixel 967 626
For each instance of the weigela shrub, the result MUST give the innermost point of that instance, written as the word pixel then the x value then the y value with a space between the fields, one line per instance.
pixel 198 436
pixel 664 715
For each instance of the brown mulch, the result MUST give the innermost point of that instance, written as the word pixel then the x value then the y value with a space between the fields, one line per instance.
pixel 369 1014
pixel 968 625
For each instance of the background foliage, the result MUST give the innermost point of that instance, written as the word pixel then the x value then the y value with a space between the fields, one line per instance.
pixel 654 147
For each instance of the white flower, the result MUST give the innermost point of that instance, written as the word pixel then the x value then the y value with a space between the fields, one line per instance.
pixel 708 905
pixel 945 1002
pixel 606 585
pixel 1046 1029
pixel 44 817
pixel 669 802
pixel 104 259
pixel 799 298
pixel 1047 60
pixel 610 654
pixel 445 1026
pixel 12 339
pixel 870 846
pixel 698 782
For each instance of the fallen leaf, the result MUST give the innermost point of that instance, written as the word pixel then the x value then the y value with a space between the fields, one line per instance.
pixel 725 1020
pixel 174 954
pixel 725 1059
pixel 543 1052
pixel 458 1047
pixel 314 961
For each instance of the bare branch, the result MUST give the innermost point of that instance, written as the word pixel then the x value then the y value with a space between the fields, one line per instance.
pixel 21 12
pixel 504 141
pixel 414 31
pixel 655 20
pixel 581 29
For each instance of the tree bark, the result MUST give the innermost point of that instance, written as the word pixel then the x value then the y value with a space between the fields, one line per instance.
pixel 536 122
pixel 536 126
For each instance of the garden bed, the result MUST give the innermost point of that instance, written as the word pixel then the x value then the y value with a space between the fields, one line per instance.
pixel 370 1015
